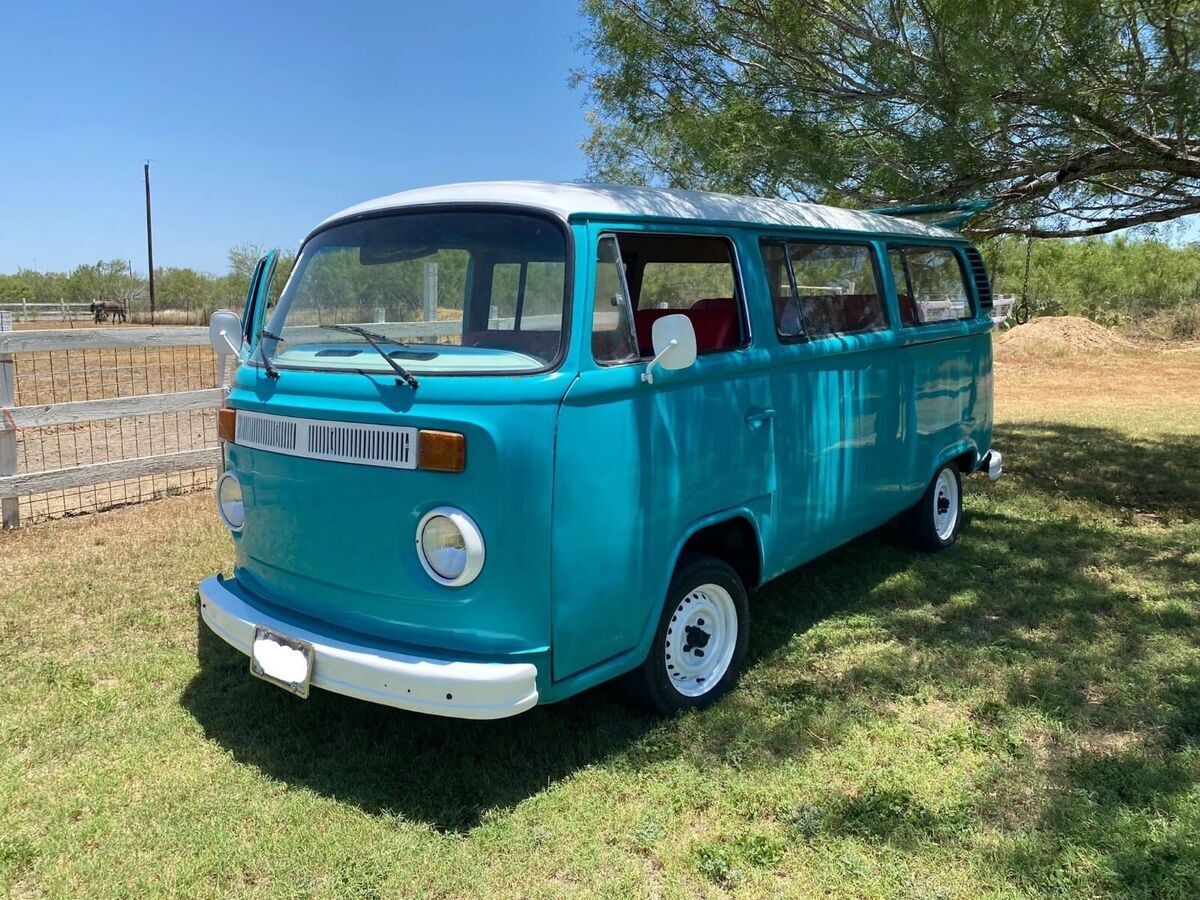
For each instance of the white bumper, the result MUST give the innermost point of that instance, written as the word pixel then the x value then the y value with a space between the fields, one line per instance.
pixel 993 464
pixel 464 690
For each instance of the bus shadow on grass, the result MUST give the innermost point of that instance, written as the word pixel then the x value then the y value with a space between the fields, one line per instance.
pixel 1035 602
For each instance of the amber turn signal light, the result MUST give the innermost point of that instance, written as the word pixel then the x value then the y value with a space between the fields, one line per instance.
pixel 441 451
pixel 226 423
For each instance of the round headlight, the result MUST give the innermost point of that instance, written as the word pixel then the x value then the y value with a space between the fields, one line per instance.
pixel 449 546
pixel 229 501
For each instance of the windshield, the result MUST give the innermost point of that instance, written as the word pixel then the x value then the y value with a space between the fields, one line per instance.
pixel 453 291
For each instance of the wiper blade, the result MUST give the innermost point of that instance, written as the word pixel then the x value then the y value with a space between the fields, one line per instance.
pixel 373 339
pixel 268 367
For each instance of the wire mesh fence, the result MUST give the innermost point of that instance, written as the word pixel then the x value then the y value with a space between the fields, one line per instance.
pixel 63 376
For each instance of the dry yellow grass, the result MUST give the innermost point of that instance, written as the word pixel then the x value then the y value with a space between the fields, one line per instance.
pixel 1136 390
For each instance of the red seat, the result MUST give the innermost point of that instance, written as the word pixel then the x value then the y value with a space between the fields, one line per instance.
pixel 715 322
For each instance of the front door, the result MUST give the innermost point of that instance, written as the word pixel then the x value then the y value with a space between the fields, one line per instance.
pixel 638 463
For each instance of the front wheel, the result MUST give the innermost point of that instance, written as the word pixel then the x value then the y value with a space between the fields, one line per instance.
pixel 700 642
pixel 934 522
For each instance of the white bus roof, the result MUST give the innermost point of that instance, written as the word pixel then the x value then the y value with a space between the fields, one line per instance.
pixel 566 200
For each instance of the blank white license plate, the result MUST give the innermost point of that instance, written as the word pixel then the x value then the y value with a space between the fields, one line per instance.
pixel 282 660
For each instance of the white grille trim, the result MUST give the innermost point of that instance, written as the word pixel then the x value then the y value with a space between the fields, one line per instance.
pixel 389 446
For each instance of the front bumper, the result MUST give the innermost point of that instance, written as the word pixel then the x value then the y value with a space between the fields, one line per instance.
pixel 993 464
pixel 460 689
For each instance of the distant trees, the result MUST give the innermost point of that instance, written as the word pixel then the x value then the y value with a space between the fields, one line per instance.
pixel 184 289
pixel 1147 284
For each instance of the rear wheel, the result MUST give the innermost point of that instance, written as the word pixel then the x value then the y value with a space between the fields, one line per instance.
pixel 934 522
pixel 700 642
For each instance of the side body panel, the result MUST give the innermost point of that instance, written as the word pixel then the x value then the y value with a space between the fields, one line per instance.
pixel 861 423
pixel 946 392
pixel 837 435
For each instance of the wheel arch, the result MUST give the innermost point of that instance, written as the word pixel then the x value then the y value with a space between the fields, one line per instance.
pixel 964 455
pixel 732 537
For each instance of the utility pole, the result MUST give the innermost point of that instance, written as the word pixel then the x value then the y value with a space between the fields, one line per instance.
pixel 149 241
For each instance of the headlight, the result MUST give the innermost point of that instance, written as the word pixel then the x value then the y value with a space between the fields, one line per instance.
pixel 229 501
pixel 449 546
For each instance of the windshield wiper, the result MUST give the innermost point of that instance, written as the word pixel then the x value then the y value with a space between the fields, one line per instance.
pixel 371 338
pixel 268 367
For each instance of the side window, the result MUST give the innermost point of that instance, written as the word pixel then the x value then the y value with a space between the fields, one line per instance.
pixel 612 322
pixel 821 289
pixel 691 275
pixel 908 307
pixel 681 285
pixel 789 321
pixel 836 288
pixel 938 289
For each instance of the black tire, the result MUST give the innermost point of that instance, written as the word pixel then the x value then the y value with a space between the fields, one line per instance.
pixel 1021 313
pixel 921 522
pixel 652 685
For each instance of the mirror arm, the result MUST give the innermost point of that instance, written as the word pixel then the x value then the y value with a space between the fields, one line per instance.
pixel 648 375
pixel 233 348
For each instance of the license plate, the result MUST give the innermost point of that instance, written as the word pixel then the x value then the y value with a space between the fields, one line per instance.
pixel 281 660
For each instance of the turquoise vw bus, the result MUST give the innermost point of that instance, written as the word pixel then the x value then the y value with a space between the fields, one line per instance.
pixel 497 443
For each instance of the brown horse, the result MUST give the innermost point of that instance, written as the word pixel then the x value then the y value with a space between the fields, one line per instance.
pixel 102 309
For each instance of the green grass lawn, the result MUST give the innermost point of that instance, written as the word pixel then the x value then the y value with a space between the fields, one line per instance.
pixel 1019 716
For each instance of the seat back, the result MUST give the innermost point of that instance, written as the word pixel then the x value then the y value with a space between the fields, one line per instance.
pixel 714 320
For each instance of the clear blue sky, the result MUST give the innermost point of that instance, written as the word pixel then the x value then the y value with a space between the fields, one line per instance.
pixel 259 119
pixel 262 118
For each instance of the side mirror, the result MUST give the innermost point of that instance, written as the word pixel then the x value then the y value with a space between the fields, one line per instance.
pixel 224 326
pixel 674 341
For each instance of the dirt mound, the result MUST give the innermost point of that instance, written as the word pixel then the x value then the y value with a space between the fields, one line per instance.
pixel 1059 335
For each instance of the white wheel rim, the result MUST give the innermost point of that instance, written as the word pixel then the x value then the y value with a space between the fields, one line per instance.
pixel 700 640
pixel 945 504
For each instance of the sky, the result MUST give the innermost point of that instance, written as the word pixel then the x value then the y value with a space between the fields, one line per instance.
pixel 260 119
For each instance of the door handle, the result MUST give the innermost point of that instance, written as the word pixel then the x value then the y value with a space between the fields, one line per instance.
pixel 755 420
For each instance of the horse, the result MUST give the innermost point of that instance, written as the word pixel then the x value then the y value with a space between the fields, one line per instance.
pixel 102 309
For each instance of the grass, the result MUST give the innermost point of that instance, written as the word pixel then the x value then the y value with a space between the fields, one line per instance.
pixel 1017 717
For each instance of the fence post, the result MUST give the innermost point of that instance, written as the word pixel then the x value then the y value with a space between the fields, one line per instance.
pixel 10 514
pixel 24 310
pixel 431 292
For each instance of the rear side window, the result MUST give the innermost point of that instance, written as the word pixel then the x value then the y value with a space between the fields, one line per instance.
pixel 822 289
pixel 930 285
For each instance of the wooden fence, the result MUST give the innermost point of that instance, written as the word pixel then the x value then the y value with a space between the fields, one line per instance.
pixel 50 416
pixel 23 311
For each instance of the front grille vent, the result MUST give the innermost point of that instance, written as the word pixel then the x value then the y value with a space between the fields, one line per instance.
pixel 267 432
pixel 357 443
pixel 390 446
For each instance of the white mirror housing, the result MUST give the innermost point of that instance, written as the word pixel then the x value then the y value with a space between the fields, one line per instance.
pixel 225 332
pixel 674 340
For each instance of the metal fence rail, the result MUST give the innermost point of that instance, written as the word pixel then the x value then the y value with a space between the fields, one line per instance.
pixel 99 417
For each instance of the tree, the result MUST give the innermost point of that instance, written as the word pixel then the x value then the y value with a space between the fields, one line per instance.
pixel 1076 117
pixel 109 280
